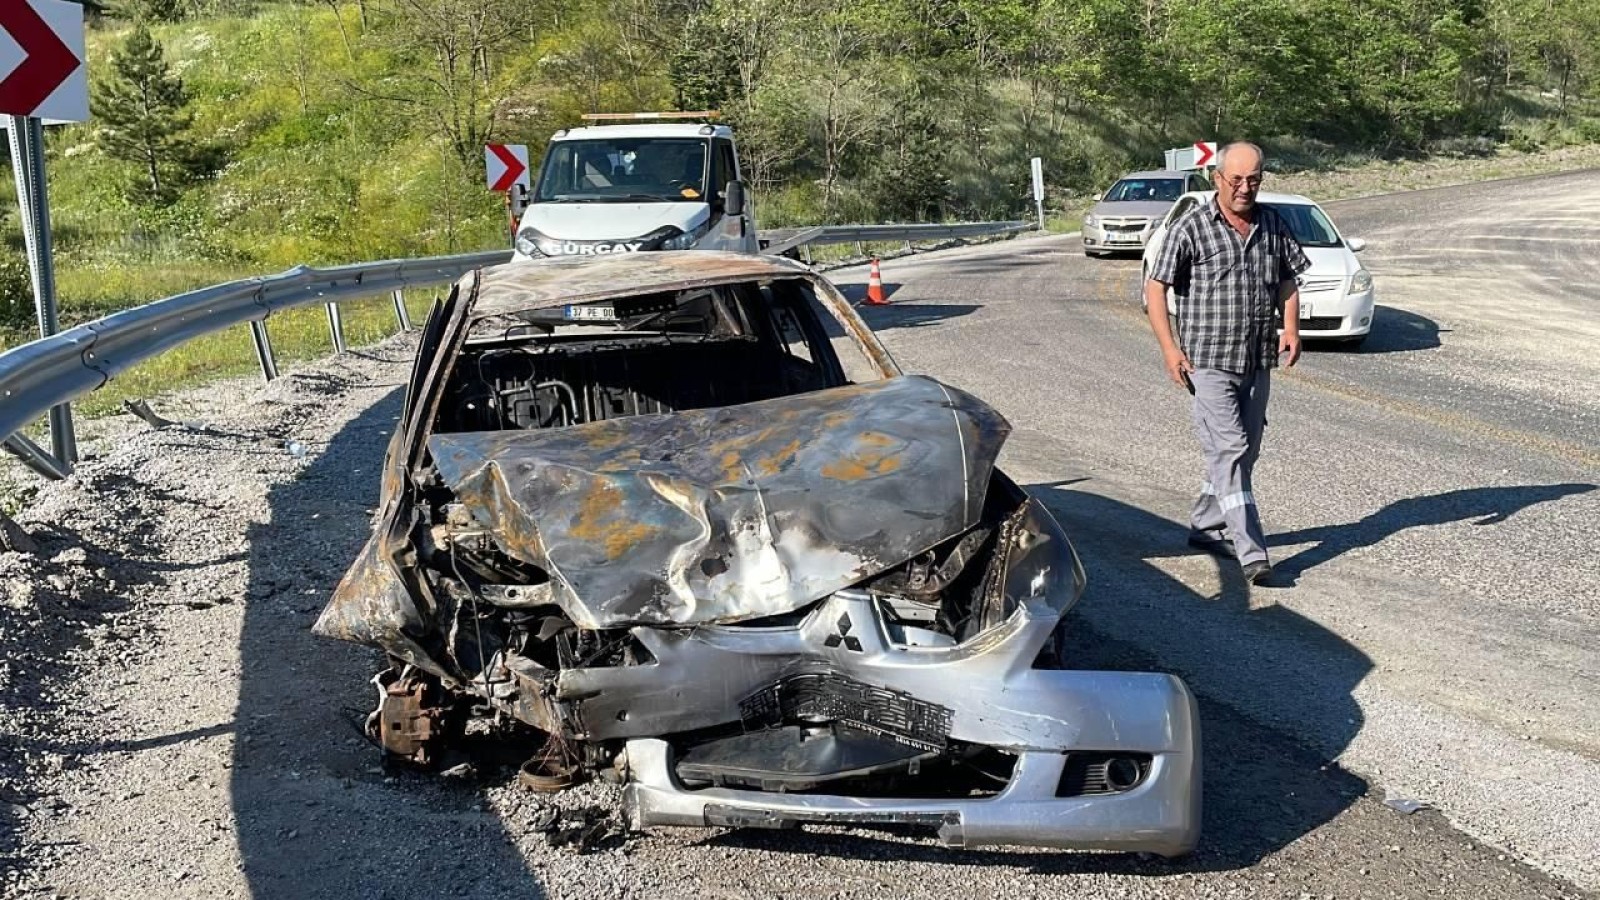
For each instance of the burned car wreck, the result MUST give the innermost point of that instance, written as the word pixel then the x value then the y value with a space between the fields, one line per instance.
pixel 639 508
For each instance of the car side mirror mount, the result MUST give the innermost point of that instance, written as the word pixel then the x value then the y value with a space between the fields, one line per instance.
pixel 733 202
pixel 1356 245
pixel 1097 197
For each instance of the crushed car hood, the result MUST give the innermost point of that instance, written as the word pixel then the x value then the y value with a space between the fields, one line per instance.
pixel 735 513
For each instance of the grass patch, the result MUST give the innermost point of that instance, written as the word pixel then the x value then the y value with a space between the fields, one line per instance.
pixel 297 335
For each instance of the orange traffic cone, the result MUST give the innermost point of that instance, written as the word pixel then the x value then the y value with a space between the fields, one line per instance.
pixel 875 287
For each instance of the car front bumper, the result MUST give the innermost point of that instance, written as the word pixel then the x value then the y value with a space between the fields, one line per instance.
pixel 1153 714
pixel 1346 316
pixel 1097 237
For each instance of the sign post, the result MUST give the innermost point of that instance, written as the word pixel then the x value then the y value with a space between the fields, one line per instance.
pixel 1038 189
pixel 507 168
pixel 42 78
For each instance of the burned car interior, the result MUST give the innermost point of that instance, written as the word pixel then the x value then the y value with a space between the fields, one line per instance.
pixel 640 519
pixel 658 353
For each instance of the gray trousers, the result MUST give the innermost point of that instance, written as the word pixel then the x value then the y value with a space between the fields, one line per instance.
pixel 1230 411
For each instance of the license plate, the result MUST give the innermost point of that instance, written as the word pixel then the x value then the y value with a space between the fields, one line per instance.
pixel 1305 310
pixel 590 313
pixel 1116 238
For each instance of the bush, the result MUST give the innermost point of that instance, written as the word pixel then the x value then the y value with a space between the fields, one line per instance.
pixel 16 294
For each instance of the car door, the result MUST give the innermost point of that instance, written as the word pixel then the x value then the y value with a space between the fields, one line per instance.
pixel 730 232
pixel 1152 248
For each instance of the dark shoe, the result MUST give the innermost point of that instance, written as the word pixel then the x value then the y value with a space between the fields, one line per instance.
pixel 1258 572
pixel 1220 546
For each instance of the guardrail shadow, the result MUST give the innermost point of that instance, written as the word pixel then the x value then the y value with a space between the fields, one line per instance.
pixel 1488 505
pixel 302 831
pixel 1263 788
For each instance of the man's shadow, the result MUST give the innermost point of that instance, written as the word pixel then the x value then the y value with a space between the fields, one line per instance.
pixel 316 813
pixel 1487 506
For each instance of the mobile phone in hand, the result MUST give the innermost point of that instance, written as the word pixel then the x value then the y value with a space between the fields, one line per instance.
pixel 1186 382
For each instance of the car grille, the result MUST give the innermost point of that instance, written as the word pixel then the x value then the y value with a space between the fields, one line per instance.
pixel 1322 323
pixel 1126 226
pixel 835 698
pixel 1320 285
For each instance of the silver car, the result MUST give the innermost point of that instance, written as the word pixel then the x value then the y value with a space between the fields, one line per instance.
pixel 1124 216
pixel 677 519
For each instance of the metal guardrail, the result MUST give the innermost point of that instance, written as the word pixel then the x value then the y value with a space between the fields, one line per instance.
pixel 782 241
pixel 50 371
pixel 43 374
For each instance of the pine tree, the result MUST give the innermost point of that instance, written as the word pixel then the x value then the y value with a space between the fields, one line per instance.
pixel 141 113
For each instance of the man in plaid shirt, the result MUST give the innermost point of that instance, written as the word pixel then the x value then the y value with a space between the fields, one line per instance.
pixel 1229 263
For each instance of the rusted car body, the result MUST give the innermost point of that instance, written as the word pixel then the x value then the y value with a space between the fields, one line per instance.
pixel 643 507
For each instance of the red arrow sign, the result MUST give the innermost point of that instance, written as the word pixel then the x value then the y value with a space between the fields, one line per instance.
pixel 1203 152
pixel 46 62
pixel 514 168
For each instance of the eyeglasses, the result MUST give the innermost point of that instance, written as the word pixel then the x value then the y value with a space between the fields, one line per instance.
pixel 1239 181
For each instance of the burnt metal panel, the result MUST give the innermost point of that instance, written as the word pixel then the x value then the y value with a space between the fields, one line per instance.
pixel 734 513
pixel 555 281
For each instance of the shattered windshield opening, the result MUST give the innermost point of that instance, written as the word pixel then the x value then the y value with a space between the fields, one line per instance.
pixel 624 170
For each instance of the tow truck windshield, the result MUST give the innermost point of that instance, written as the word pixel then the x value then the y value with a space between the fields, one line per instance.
pixel 624 170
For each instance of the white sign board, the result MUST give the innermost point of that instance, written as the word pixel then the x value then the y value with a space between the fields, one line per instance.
pixel 42 73
pixel 507 166
pixel 1199 155
pixel 1038 189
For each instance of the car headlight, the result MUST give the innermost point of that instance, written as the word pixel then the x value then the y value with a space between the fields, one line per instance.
pixel 1362 282
pixel 1091 221
pixel 1041 566
pixel 672 238
pixel 528 242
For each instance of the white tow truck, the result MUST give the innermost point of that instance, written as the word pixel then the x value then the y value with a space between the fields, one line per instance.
pixel 627 188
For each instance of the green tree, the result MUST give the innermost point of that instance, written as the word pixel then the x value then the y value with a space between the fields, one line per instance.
pixel 449 57
pixel 142 114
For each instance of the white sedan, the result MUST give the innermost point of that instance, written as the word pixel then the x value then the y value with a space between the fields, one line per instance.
pixel 1336 294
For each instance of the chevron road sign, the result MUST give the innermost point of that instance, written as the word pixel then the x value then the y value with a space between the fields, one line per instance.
pixel 507 165
pixel 42 74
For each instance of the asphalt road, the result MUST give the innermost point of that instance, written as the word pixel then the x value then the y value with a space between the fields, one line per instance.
pixel 169 726
pixel 1430 500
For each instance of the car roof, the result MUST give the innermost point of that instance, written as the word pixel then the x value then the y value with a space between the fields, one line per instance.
pixel 662 129
pixel 516 286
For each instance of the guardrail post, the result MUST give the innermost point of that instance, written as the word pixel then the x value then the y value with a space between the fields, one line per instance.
pixel 263 342
pixel 336 327
pixel 805 251
pixel 27 162
pixel 400 312
pixel 861 249
pixel 34 457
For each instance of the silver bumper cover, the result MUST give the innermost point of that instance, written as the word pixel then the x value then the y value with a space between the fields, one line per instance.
pixel 1160 815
